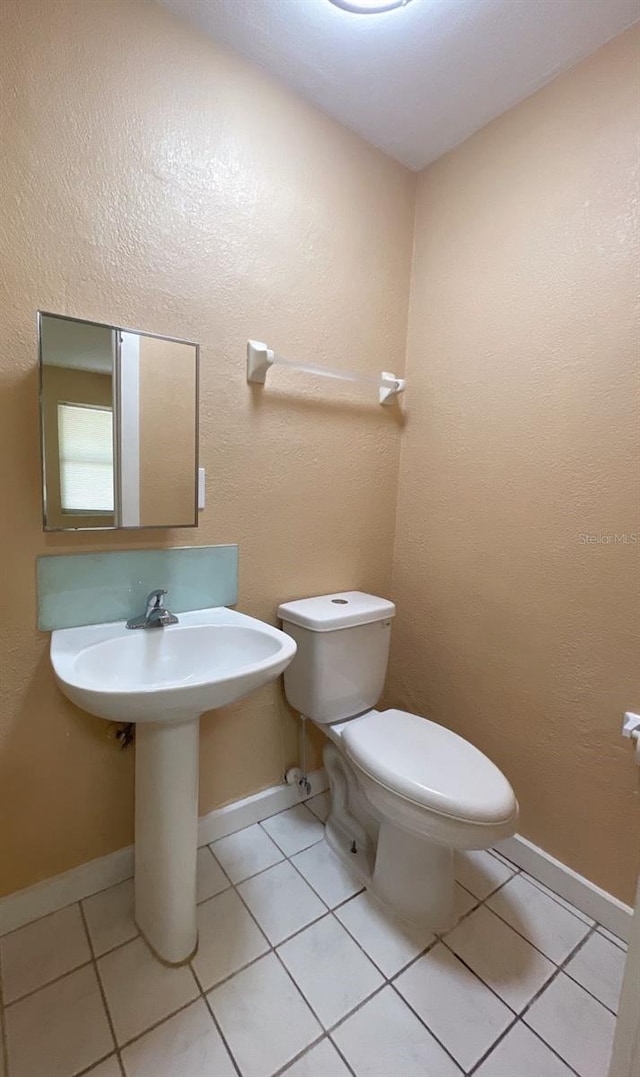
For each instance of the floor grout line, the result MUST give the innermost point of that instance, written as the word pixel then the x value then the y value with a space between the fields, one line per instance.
pixel 355 1009
pixel 528 940
pixel 553 1050
pixel 438 937
pixel 292 1061
pixel 98 1062
pixel 564 904
pixel 342 1056
pixel 559 971
pixel 586 990
pixel 253 873
pixel 615 940
pixel 560 966
pixel 503 1035
pixel 387 982
pixel 204 991
pixel 287 860
pixel 221 1034
pixel 393 976
pixel 564 966
pixel 274 945
pixel 327 1032
pixel 504 860
pixel 76 901
pixel 273 949
pixel 101 987
pixel 478 977
pixel 204 996
pixel 505 1032
pixel 49 983
pixel 283 857
pixel 312 887
pixel 120 1047
pixel 520 1015
pixel 156 1024
pixel 425 1025
pixel 288 856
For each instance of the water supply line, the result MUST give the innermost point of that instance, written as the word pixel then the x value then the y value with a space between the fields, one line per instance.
pixel 298 775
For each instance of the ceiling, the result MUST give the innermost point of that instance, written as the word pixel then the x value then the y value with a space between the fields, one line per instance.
pixel 418 80
pixel 77 345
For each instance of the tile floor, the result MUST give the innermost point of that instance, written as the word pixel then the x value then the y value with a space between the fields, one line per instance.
pixel 301 972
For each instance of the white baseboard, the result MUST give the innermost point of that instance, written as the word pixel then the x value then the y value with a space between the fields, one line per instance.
pixel 52 894
pixel 223 821
pixel 586 896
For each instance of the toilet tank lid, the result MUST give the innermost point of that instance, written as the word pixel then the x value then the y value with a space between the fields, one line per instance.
pixel 345 609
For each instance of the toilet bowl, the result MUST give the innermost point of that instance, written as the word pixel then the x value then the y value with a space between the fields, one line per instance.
pixel 405 791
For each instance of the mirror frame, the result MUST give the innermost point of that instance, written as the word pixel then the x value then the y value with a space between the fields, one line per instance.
pixel 116 402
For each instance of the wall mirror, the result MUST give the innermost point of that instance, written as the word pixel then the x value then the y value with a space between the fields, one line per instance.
pixel 119 423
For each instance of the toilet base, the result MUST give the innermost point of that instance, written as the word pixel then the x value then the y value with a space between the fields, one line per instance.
pixel 418 888
pixel 407 872
pixel 414 877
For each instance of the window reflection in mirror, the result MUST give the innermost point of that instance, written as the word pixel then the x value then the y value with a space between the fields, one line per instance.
pixel 78 364
pixel 85 450
pixel 119 427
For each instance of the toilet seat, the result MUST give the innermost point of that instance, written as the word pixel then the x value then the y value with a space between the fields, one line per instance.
pixel 431 767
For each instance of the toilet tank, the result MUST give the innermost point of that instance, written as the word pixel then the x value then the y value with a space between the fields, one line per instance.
pixel 343 647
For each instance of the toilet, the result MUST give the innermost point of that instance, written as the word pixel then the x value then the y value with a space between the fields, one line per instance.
pixel 405 792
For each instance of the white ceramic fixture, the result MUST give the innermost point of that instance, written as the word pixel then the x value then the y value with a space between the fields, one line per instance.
pixel 405 792
pixel 369 7
pixel 164 679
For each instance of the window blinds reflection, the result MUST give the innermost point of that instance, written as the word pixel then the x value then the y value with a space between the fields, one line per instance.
pixel 85 440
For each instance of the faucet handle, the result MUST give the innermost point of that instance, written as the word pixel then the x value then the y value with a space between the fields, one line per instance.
pixel 155 600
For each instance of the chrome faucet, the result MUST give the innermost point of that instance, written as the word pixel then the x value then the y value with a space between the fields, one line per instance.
pixel 155 615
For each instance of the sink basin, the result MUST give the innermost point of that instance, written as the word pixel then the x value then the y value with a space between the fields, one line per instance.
pixel 211 658
pixel 164 679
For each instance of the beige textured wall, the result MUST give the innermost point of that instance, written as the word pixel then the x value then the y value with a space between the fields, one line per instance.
pixel 167 431
pixel 151 179
pixel 522 435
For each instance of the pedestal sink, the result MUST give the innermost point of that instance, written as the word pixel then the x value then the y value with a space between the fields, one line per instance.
pixel 163 679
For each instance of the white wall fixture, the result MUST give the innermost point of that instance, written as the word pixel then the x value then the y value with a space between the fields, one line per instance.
pixel 369 7
pixel 261 358
pixel 631 729
pixel 167 677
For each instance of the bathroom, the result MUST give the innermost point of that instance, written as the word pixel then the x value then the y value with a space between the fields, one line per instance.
pixel 445 191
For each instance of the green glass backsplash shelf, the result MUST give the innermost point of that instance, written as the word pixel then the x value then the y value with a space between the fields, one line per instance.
pixel 89 588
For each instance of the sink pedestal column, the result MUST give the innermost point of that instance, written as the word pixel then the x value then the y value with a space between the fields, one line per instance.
pixel 166 836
